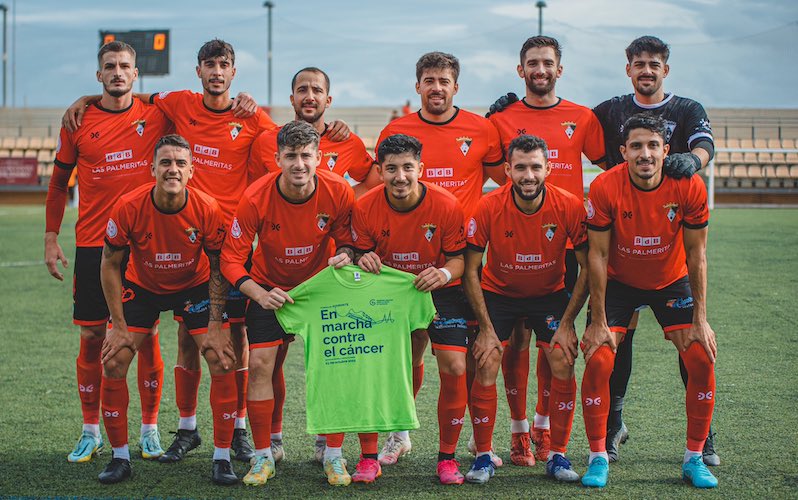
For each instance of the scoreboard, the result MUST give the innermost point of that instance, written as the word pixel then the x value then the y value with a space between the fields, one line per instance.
pixel 152 48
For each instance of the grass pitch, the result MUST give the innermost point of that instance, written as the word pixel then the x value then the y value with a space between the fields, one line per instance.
pixel 753 278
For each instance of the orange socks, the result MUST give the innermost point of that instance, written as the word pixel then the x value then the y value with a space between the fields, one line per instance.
pixel 186 387
pixel 483 411
pixel 242 377
pixel 515 367
pixel 278 387
pixel 563 396
pixel 418 379
pixel 260 419
pixel 700 398
pixel 115 399
pixel 596 397
pixel 89 374
pixel 451 410
pixel 150 378
pixel 368 444
pixel 544 384
pixel 223 407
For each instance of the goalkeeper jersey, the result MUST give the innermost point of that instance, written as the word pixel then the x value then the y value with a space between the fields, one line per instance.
pixel 358 358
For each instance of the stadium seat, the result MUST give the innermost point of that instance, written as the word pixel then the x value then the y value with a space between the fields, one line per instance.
pixel 765 158
pixel 760 143
pixel 791 158
pixel 788 143
pixel 739 171
pixel 719 143
pixel 724 171
pixel 774 144
pixel 31 153
pixel 49 143
pixel 22 143
pixel 750 158
pixel 733 143
pixel 722 158
pixel 794 172
pixel 5 153
pixel 777 159
pixel 35 143
pixel 17 153
pixel 8 143
pixel 782 172
pixel 769 171
pixel 736 157
pixel 746 143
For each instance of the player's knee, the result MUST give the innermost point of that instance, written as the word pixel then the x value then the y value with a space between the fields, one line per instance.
pixel 214 363
pixel 559 364
pixel 261 364
pixel 697 361
pixel 601 363
pixel 454 366
pixel 116 367
pixel 92 333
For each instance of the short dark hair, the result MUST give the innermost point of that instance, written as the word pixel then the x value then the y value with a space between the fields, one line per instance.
pixel 175 140
pixel 527 144
pixel 650 44
pixel 311 69
pixel 399 144
pixel 541 41
pixel 115 46
pixel 216 48
pixel 437 60
pixel 297 134
pixel 654 123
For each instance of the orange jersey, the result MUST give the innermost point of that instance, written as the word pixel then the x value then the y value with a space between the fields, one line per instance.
pixel 345 158
pixel 568 129
pixel 294 239
pixel 414 240
pixel 220 143
pixel 166 249
pixel 526 252
pixel 112 151
pixel 453 152
pixel 646 245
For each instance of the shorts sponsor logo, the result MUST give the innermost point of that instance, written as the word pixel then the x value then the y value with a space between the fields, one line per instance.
pixel 680 303
pixel 235 229
pixel 546 392
pixel 206 150
pixel 590 210
pixel 647 241
pixel 472 227
pixel 119 156
pixel 199 307
pixel 111 230
pixel 448 323
pixel 128 294
pixel 405 257
pixel 552 323
pixel 465 144
pixel 531 257
pixel 512 392
pixel 168 257
pixel 298 251
pixel 433 173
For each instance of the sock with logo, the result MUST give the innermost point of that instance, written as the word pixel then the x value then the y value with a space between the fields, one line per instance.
pixel 150 378
pixel 223 407
pixel 278 386
pixel 596 395
pixel 700 397
pixel 483 407
pixel 562 403
pixel 515 367
pixel 90 372
pixel 115 399
pixel 186 387
pixel 451 410
pixel 543 372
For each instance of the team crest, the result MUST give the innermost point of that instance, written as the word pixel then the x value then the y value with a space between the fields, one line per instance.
pixel 235 129
pixel 549 230
pixel 331 159
pixel 465 144
pixel 192 233
pixel 321 220
pixel 671 210
pixel 235 229
pixel 570 128
pixel 671 126
pixel 139 126
pixel 430 231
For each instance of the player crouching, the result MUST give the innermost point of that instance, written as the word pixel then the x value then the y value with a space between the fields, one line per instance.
pixel 175 236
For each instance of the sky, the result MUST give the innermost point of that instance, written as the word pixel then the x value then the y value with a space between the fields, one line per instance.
pixel 724 53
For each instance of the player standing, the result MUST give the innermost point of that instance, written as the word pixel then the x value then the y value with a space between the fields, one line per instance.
pixel 417 227
pixel 647 235
pixel 298 215
pixel 526 226
pixel 569 130
pixel 169 230
pixel 112 155
pixel 460 150
pixel 689 136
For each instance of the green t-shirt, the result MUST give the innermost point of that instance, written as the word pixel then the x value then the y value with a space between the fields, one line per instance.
pixel 358 354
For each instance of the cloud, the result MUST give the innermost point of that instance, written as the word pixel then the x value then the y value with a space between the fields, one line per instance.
pixel 488 65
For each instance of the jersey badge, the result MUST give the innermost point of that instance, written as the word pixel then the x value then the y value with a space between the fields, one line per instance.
pixel 331 159
pixel 235 129
pixel 192 233
pixel 140 126
pixel 549 230
pixel 235 229
pixel 704 123
pixel 590 210
pixel 671 210
pixel 570 128
pixel 671 127
pixel 321 220
pixel 430 230
pixel 111 229
pixel 162 95
pixel 465 144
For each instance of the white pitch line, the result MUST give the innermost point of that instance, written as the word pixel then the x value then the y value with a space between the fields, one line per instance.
pixel 22 263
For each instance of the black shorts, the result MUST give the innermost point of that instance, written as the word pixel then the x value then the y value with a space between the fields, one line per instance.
pixel 89 307
pixel 449 330
pixel 263 329
pixel 571 270
pixel 672 305
pixel 142 307
pixel 235 307
pixel 541 314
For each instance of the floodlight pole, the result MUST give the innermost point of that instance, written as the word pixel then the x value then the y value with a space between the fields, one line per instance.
pixel 540 5
pixel 269 5
pixel 4 8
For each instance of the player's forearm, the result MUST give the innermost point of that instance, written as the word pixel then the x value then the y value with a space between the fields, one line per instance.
pixel 697 274
pixel 455 266
pixel 597 279
pixel 702 155
pixel 476 298
pixel 578 297
pixel 217 289
pixel 346 250
pixel 55 203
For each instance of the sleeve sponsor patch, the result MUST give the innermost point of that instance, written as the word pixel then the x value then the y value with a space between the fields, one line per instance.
pixel 111 230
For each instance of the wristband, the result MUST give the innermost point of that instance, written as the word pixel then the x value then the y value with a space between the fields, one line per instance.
pixel 446 273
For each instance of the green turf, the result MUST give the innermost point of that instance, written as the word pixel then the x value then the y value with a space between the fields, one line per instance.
pixel 753 278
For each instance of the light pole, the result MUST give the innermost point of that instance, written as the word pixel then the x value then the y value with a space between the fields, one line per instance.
pixel 4 8
pixel 540 5
pixel 269 5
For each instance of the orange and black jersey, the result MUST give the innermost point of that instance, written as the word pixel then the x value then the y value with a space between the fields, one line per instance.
pixel 568 129
pixel 646 243
pixel 526 252
pixel 166 249
pixel 454 152
pixel 112 151
pixel 411 240
pixel 220 143
pixel 295 240
pixel 345 158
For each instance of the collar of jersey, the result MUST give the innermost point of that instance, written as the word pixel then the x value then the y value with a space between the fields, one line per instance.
pixel 114 111
pixel 315 188
pixel 661 180
pixel 663 102
pixel 217 111
pixel 559 100
pixel 542 202
pixel 366 279
pixel 450 120
pixel 420 199
pixel 152 199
